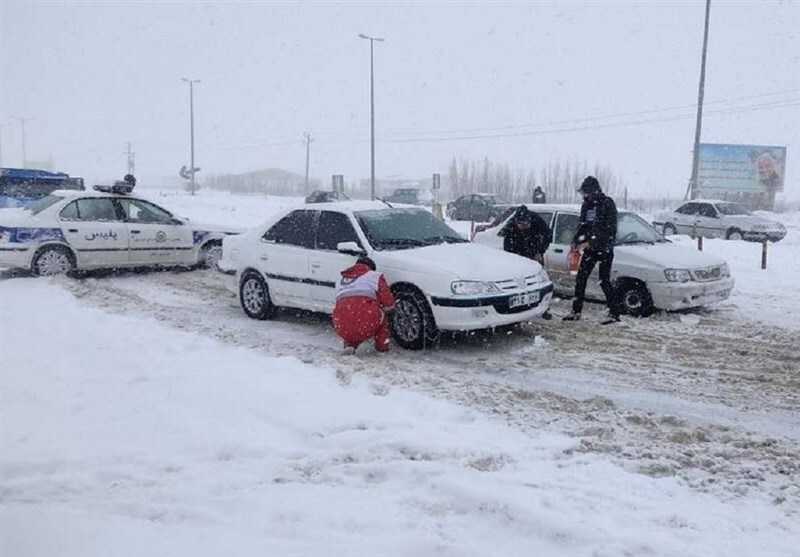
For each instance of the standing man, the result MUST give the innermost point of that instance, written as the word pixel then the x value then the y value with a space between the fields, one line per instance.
pixel 529 236
pixel 595 236
pixel 539 195
pixel 363 300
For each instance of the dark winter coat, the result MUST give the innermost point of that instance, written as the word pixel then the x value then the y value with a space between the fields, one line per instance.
pixel 598 223
pixel 539 196
pixel 530 242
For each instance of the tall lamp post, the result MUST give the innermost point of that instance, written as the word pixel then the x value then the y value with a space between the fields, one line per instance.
pixel 22 124
pixel 191 83
pixel 372 110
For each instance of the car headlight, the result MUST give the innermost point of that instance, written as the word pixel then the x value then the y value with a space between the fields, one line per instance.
pixel 726 271
pixel 473 287
pixel 678 275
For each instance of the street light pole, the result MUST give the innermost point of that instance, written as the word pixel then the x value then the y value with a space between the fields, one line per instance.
pixel 22 124
pixel 691 192
pixel 191 83
pixel 372 110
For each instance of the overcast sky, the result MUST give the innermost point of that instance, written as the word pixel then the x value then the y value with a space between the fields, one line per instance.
pixel 521 83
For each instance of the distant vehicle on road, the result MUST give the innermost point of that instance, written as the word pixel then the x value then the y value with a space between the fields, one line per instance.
pixel 20 186
pixel 648 272
pixel 321 196
pixel 718 219
pixel 478 207
pixel 410 196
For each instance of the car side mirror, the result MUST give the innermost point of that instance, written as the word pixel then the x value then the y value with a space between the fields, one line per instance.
pixel 350 248
pixel 176 220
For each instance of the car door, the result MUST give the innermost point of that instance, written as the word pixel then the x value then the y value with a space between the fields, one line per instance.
pixel 685 216
pixel 555 260
pixel 155 236
pixel 708 221
pixel 283 255
pixel 326 262
pixel 96 231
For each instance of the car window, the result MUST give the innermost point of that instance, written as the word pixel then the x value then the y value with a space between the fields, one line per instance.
pixel 92 209
pixel 137 210
pixel 566 225
pixel 393 229
pixel 707 210
pixel 42 203
pixel 296 229
pixel 632 229
pixel 731 209
pixel 687 209
pixel 333 229
pixel 547 217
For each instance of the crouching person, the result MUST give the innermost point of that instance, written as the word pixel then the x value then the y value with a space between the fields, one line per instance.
pixel 363 301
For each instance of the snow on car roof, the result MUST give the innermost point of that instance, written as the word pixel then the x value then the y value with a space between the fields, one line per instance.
pixel 362 205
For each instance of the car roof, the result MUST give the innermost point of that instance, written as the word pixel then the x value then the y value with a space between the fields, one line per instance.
pixel 92 193
pixel 357 205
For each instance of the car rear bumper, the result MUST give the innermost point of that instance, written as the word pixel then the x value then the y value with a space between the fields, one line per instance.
pixel 682 295
pixel 466 314
pixel 15 257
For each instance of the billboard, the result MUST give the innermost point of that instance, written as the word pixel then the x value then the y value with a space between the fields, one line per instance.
pixel 744 170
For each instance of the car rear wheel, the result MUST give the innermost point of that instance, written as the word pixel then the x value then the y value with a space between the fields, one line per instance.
pixel 734 234
pixel 669 229
pixel 52 261
pixel 412 323
pixel 210 254
pixel 634 299
pixel 254 296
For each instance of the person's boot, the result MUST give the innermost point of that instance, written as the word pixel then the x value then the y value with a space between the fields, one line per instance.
pixel 547 316
pixel 572 317
pixel 612 318
pixel 348 350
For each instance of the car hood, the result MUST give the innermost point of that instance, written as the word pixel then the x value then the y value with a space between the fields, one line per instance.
pixel 668 255
pixel 467 261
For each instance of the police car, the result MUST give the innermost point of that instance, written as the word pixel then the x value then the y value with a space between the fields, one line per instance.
pixel 106 228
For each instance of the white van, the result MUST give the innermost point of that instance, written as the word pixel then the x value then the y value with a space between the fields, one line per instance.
pixel 648 272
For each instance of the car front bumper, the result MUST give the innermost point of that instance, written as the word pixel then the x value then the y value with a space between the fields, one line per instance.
pixel 467 314
pixel 682 295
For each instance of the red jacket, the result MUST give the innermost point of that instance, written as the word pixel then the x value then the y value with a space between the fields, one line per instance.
pixel 362 282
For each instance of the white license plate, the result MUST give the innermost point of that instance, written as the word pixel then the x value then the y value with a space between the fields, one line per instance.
pixel 524 299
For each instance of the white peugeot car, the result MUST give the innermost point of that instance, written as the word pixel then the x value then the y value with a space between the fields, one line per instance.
pixel 440 280
pixel 81 230
pixel 718 219
pixel 648 271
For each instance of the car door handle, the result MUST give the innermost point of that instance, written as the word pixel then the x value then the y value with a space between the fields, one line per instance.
pixel 73 230
pixel 559 250
pixel 135 231
pixel 315 265
pixel 264 257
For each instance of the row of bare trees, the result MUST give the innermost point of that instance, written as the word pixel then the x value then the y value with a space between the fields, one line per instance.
pixel 559 179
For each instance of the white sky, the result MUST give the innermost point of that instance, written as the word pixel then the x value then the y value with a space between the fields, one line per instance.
pixel 94 75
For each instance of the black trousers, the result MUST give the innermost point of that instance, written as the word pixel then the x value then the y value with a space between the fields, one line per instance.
pixel 588 261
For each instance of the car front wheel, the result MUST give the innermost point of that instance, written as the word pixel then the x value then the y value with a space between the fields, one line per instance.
pixel 412 323
pixel 53 261
pixel 634 299
pixel 734 234
pixel 669 229
pixel 254 296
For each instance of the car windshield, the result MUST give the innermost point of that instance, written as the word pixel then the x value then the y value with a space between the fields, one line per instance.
pixel 42 203
pixel 495 200
pixel 633 229
pixel 393 229
pixel 731 209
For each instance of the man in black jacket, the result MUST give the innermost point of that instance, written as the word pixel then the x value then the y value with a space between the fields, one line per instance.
pixel 528 235
pixel 595 236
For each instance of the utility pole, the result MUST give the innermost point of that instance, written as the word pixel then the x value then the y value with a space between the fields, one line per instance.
pixel 22 124
pixel 691 191
pixel 372 109
pixel 131 163
pixel 191 83
pixel 308 141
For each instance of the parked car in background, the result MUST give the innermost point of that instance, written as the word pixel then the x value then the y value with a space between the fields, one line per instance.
pixel 75 230
pixel 718 219
pixel 648 271
pixel 478 207
pixel 440 280
pixel 326 197
pixel 410 196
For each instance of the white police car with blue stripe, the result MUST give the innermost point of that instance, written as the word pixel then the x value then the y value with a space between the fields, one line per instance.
pixel 81 230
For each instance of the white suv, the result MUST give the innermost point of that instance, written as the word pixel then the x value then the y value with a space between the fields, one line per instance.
pixel 440 280
pixel 648 271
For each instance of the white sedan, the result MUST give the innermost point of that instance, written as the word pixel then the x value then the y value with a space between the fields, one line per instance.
pixel 718 219
pixel 81 230
pixel 648 271
pixel 440 280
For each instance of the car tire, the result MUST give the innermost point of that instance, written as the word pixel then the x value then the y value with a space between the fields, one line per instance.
pixel 412 324
pixel 254 296
pixel 210 254
pixel 633 298
pixel 51 261
pixel 669 229
pixel 734 234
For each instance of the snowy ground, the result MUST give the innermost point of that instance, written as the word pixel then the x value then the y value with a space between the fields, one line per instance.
pixel 156 419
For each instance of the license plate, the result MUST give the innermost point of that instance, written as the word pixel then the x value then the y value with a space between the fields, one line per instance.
pixel 524 299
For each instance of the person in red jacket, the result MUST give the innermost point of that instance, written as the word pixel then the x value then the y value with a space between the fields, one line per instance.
pixel 363 300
